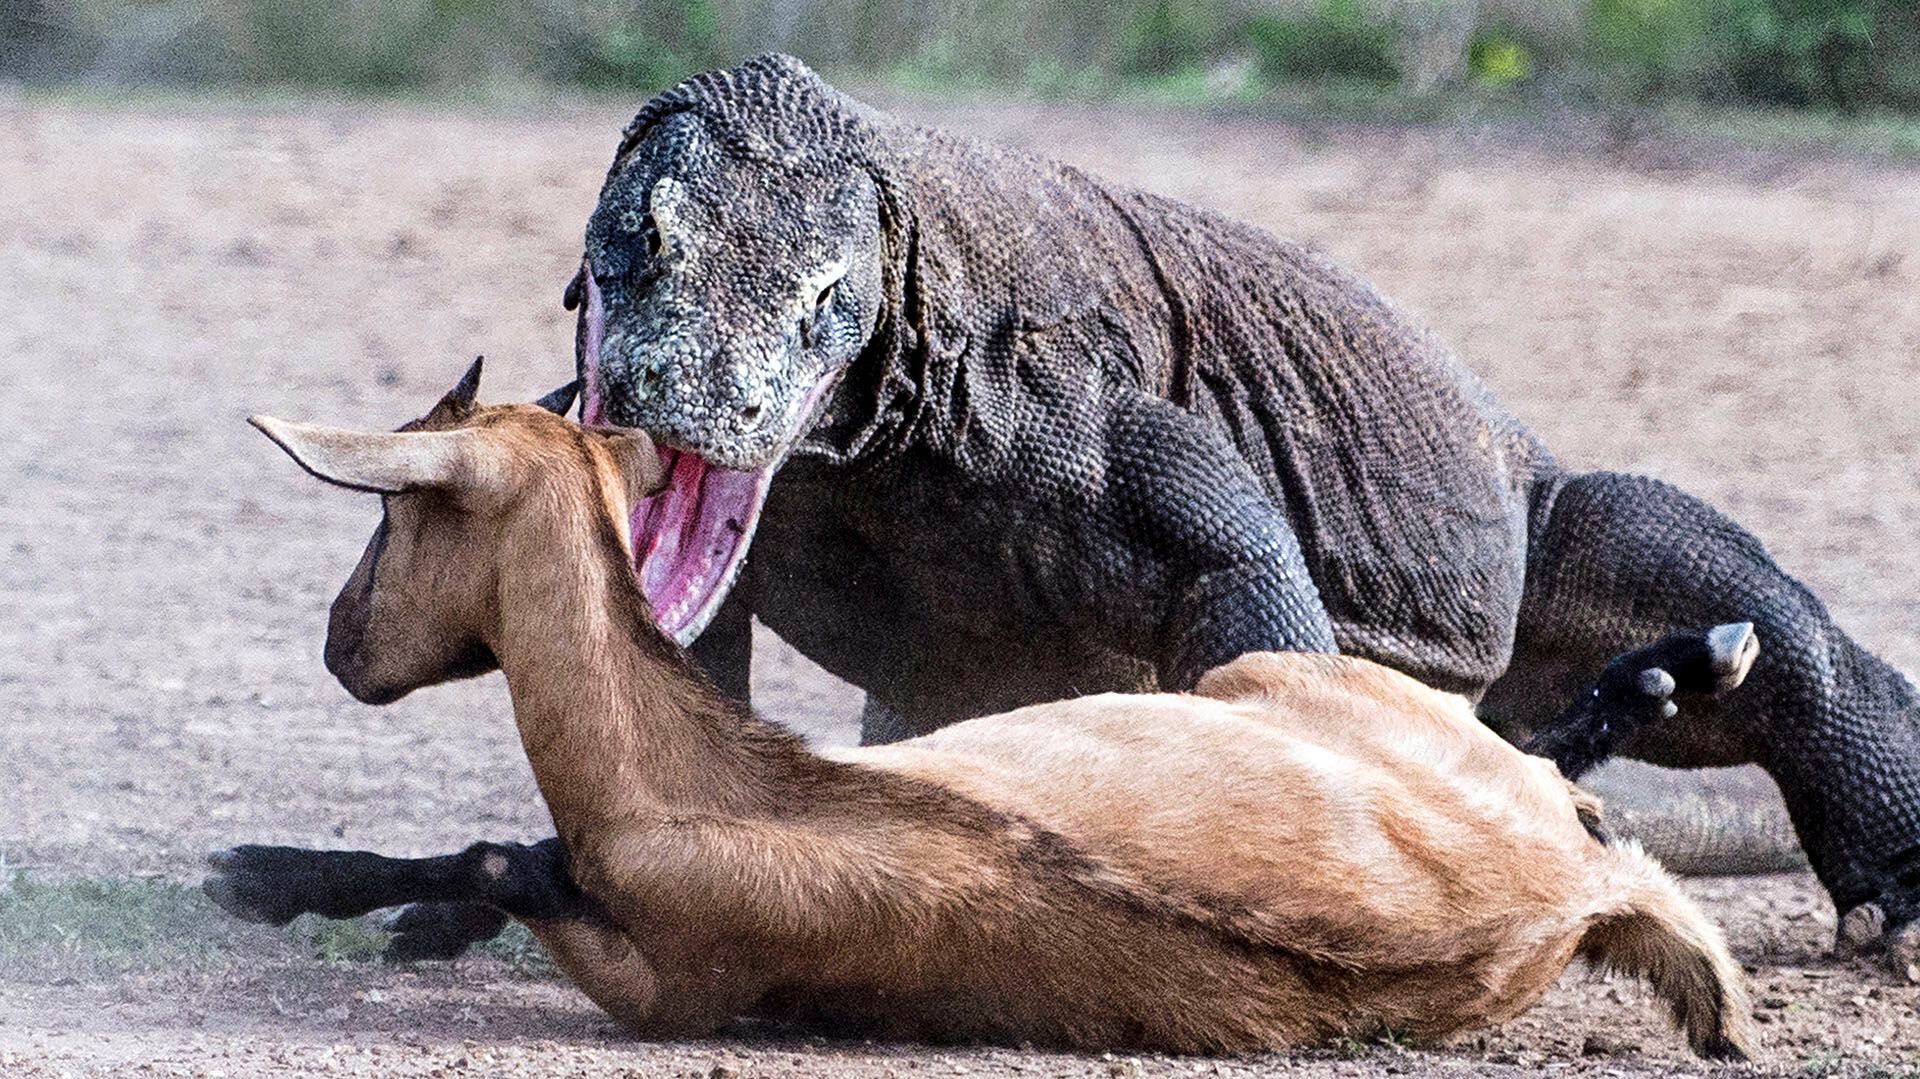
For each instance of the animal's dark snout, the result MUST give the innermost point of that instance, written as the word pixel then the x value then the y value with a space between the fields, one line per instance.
pixel 347 623
pixel 346 637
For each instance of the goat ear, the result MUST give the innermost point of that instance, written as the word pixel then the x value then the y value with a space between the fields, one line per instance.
pixel 638 460
pixel 457 405
pixel 381 463
pixel 561 399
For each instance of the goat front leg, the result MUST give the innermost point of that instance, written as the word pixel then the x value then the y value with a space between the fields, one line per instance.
pixel 274 885
pixel 440 930
pixel 529 882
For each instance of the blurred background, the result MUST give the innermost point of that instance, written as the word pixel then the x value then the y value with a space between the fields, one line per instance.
pixel 1852 56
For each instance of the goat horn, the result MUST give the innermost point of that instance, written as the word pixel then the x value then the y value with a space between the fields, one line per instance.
pixel 457 405
pixel 468 388
pixel 378 462
pixel 561 399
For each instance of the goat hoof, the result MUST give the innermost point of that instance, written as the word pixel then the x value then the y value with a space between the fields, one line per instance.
pixel 423 931
pixel 243 884
pixel 1656 684
pixel 1731 650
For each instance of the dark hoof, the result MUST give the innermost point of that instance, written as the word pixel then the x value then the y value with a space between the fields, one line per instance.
pixel 1656 684
pixel 423 931
pixel 1731 650
pixel 249 883
pixel 1698 664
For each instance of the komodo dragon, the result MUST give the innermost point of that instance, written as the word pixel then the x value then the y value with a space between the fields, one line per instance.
pixel 1038 434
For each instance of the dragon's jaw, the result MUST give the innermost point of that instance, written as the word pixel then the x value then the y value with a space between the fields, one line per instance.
pixel 690 541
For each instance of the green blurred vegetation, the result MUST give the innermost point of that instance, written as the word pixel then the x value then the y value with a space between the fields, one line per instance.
pixel 93 928
pixel 1840 56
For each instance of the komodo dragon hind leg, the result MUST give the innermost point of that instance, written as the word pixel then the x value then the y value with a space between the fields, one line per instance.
pixel 1615 560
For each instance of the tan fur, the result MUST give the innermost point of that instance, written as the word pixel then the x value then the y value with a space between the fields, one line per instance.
pixel 1306 846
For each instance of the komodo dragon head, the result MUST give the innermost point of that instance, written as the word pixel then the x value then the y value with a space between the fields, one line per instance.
pixel 732 273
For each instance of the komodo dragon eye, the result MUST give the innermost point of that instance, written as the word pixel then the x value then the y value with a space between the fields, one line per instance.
pixel 825 297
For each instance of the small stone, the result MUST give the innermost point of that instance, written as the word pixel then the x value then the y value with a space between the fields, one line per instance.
pixel 1600 1045
pixel 721 1071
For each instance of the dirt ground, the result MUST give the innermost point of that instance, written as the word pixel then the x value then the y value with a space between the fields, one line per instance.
pixel 1745 325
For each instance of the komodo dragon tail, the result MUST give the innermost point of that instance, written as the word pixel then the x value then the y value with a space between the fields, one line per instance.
pixel 1702 822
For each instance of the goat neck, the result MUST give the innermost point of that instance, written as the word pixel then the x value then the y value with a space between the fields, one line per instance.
pixel 616 721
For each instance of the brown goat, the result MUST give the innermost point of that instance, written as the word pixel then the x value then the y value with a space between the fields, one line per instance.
pixel 1307 846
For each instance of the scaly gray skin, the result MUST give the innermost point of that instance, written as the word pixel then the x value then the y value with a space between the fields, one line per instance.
pixel 1074 437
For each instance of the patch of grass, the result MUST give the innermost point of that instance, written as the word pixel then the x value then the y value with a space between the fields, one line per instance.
pixel 1350 1048
pixel 1338 39
pixel 1362 1045
pixel 1165 37
pixel 350 940
pixel 84 928
pixel 93 928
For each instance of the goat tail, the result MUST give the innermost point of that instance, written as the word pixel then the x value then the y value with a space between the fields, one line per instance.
pixel 1656 933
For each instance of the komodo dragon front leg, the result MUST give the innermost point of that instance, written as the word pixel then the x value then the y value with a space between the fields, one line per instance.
pixel 1141 529
pixel 1184 504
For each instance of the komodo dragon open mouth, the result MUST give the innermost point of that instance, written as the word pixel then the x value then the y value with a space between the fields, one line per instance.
pixel 691 539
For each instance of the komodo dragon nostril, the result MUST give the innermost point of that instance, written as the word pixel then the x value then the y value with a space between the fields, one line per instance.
pixel 651 376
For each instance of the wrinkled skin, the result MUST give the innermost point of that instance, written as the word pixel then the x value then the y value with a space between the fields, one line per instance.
pixel 684 226
pixel 1049 436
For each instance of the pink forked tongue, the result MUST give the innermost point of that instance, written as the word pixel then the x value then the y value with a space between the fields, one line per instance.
pixel 689 540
